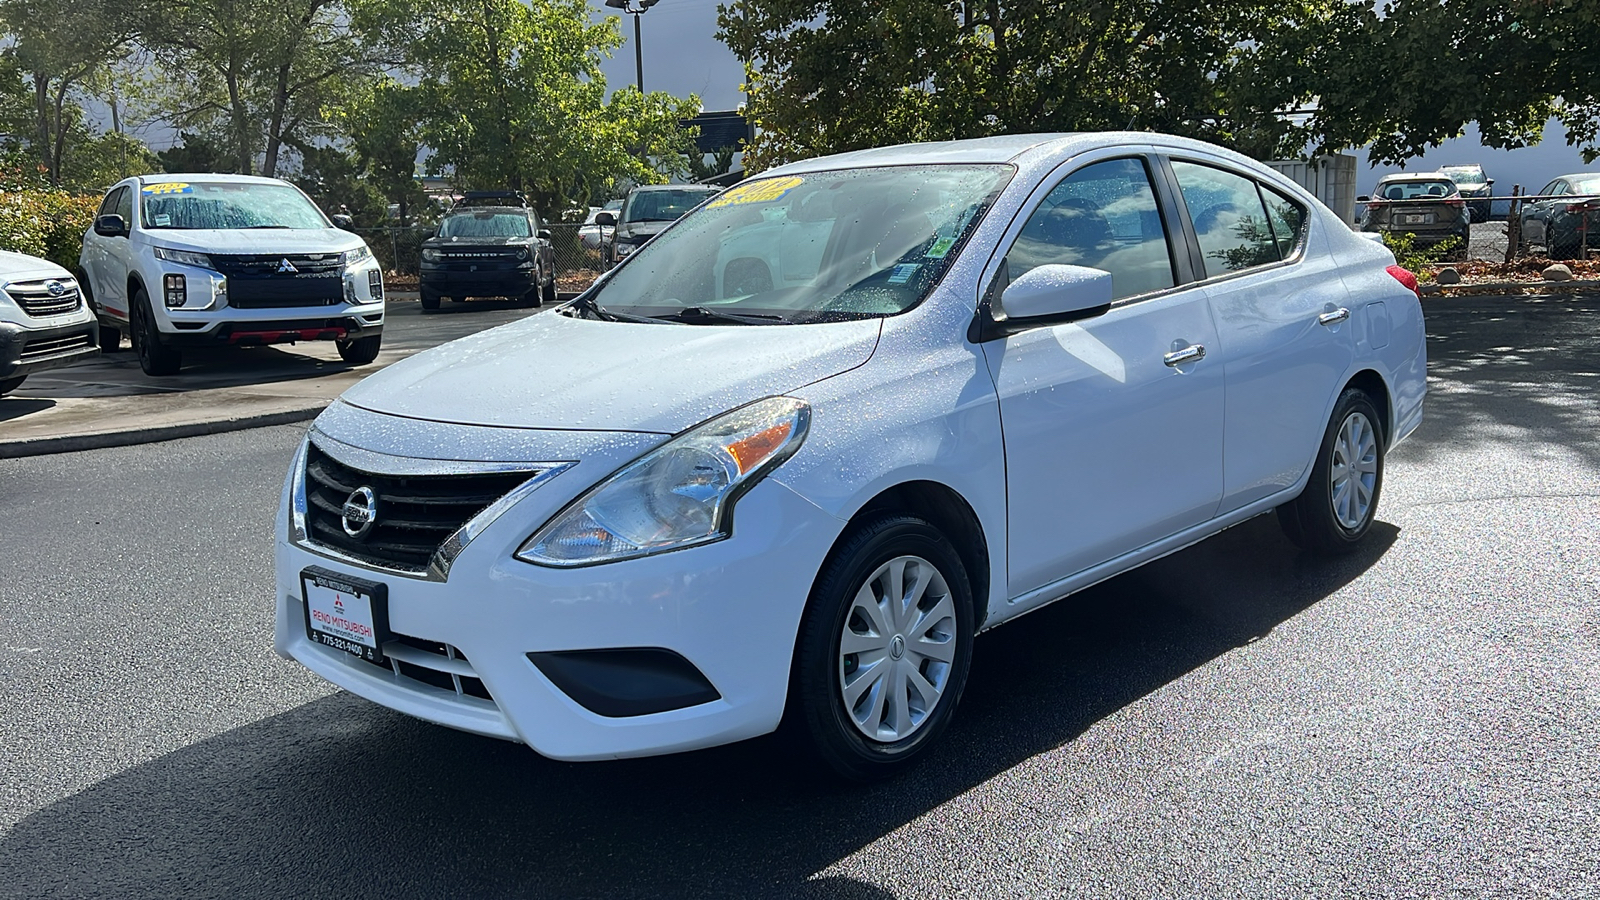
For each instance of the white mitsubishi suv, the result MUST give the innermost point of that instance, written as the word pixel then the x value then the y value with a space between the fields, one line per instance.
pixel 205 260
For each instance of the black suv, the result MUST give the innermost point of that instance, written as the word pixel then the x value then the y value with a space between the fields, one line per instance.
pixel 489 251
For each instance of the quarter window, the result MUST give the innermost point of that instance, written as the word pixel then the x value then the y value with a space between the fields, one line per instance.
pixel 1229 219
pixel 1103 216
pixel 1287 218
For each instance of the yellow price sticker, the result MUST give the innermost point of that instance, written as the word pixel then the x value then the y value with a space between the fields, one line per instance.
pixel 763 191
pixel 172 187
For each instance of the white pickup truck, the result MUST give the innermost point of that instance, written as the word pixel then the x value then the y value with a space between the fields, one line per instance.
pixel 212 260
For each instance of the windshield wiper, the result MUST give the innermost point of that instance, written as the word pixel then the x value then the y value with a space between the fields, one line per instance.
pixel 699 315
pixel 586 303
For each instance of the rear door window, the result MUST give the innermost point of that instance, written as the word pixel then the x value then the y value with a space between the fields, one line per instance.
pixel 1230 221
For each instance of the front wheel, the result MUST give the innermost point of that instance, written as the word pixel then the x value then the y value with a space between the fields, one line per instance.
pixel 548 292
pixel 10 384
pixel 430 300
pixel 884 648
pixel 110 339
pixel 361 351
pixel 1338 506
pixel 155 358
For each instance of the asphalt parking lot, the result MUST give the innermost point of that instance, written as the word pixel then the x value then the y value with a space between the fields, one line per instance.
pixel 1420 719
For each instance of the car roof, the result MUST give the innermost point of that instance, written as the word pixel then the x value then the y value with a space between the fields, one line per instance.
pixel 1477 166
pixel 677 187
pixel 207 178
pixel 487 210
pixel 1415 176
pixel 1578 175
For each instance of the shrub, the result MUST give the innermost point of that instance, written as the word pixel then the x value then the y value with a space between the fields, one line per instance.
pixel 47 223
pixel 1418 260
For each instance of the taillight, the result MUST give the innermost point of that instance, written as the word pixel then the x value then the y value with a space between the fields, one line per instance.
pixel 1458 203
pixel 1406 277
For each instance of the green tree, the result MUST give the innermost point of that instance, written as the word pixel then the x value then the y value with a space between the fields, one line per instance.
pixel 509 94
pixel 384 130
pixel 831 75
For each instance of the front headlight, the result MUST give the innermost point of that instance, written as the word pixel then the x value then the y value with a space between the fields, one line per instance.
pixel 625 249
pixel 430 254
pixel 522 253
pixel 351 257
pixel 186 257
pixel 679 495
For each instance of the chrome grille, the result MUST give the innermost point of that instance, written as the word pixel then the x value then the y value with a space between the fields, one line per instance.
pixel 46 297
pixel 415 513
pixel 51 346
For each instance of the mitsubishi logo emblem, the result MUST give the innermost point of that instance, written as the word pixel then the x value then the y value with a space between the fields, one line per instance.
pixel 360 512
pixel 286 266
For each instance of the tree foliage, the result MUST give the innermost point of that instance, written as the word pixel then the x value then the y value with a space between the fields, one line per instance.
pixel 832 75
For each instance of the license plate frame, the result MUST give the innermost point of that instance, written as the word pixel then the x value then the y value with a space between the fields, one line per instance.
pixel 363 628
pixel 1416 219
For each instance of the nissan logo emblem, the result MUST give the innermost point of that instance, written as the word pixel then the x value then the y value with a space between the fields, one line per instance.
pixel 360 512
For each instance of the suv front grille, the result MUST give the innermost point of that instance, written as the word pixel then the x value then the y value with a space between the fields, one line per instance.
pixel 415 513
pixel 264 281
pixel 46 297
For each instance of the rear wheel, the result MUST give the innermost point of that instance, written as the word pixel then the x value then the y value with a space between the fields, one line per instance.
pixel 884 648
pixel 1563 249
pixel 360 351
pixel 11 384
pixel 1340 501
pixel 155 358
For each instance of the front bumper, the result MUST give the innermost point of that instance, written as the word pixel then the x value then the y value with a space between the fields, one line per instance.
pixel 279 330
pixel 731 609
pixel 491 283
pixel 24 350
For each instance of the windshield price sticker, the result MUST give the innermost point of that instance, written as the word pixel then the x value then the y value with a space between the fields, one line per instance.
pixel 764 191
pixel 176 187
pixel 344 615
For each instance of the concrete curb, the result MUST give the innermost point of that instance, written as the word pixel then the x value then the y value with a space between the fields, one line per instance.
pixel 1501 287
pixel 129 437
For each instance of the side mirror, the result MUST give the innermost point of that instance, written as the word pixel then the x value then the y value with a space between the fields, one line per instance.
pixel 1057 293
pixel 342 221
pixel 1363 199
pixel 110 226
pixel 1491 182
pixel 605 219
pixel 544 234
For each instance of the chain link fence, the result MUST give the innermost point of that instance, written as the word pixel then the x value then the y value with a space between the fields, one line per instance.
pixel 399 249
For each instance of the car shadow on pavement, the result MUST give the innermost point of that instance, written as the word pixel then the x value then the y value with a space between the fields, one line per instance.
pixel 17 407
pixel 339 797
pixel 204 368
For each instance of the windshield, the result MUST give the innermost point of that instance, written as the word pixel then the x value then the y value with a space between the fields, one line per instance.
pixel 662 206
pixel 485 224
pixel 1417 190
pixel 221 204
pixel 854 243
pixel 1465 176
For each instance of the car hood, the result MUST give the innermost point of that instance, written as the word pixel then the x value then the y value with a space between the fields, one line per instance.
pixel 22 267
pixel 256 240
pixel 476 241
pixel 639 231
pixel 556 372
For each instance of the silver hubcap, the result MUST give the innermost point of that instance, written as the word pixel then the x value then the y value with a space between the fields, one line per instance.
pixel 1354 470
pixel 896 649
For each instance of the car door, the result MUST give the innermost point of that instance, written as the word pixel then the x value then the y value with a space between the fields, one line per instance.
pixel 1112 424
pixel 105 259
pixel 1284 324
pixel 1536 215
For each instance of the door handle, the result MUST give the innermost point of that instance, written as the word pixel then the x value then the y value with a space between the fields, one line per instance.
pixel 1190 353
pixel 1333 318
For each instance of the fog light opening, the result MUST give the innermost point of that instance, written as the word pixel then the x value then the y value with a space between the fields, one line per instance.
pixel 175 290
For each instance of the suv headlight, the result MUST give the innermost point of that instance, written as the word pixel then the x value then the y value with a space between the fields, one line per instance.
pixel 430 254
pixel 352 257
pixel 186 257
pixel 678 495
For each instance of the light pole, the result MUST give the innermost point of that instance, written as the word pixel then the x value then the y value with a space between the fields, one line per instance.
pixel 635 8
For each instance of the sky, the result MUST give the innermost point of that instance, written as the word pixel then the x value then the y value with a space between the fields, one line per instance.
pixel 682 56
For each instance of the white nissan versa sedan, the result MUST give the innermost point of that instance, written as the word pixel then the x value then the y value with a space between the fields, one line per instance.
pixel 785 461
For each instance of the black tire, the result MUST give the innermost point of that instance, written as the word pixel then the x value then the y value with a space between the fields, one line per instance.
pixel 430 301
pixel 110 339
pixel 549 290
pixel 530 298
pixel 817 707
pixel 1563 249
pixel 10 384
pixel 1311 520
pixel 155 358
pixel 360 351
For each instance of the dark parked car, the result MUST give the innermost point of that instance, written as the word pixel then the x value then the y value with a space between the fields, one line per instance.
pixel 489 251
pixel 1476 188
pixel 647 211
pixel 1556 223
pixel 1428 205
